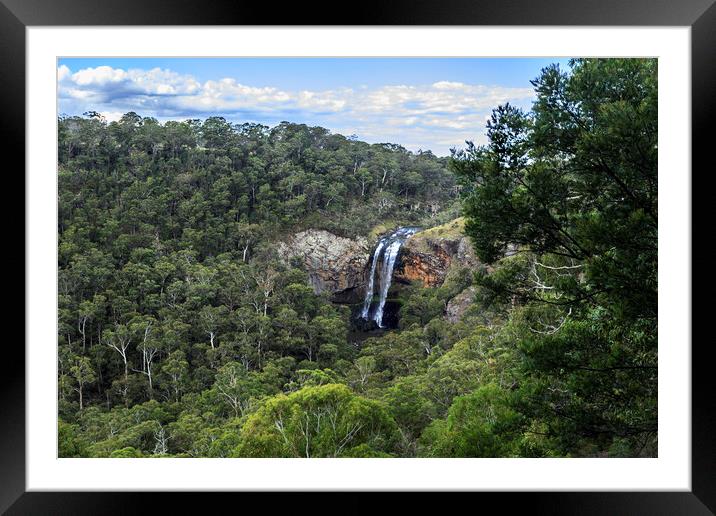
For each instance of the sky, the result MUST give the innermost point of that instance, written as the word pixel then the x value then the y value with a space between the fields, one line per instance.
pixel 421 103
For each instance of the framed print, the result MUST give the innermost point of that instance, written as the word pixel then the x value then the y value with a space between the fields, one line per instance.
pixel 420 252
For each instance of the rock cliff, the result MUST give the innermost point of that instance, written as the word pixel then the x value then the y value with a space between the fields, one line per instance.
pixel 340 266
pixel 428 255
pixel 335 265
pixel 459 304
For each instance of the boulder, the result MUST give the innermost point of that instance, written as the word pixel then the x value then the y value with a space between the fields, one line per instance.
pixel 457 306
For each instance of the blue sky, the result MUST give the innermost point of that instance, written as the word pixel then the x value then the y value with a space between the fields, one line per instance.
pixel 421 103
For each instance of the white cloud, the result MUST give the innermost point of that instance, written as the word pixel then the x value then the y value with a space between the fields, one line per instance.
pixel 447 85
pixel 428 115
pixel 227 95
pixel 112 116
pixel 62 72
pixel 98 76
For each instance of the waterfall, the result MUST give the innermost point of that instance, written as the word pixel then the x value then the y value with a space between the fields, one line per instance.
pixel 386 252
pixel 371 281
pixel 386 276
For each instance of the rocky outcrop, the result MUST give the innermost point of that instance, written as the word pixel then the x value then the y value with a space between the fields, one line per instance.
pixel 428 255
pixel 428 268
pixel 335 265
pixel 340 266
pixel 459 304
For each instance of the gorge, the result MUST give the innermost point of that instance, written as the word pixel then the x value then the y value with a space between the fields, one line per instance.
pixel 370 281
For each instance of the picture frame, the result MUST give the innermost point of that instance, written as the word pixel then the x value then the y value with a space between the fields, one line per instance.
pixel 700 15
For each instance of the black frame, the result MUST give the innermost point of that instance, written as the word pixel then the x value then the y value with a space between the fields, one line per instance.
pixel 700 15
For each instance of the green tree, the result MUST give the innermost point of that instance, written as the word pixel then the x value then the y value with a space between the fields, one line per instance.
pixel 481 424
pixel 237 387
pixel 84 374
pixel 322 421
pixel 571 188
pixel 69 441
pixel 175 372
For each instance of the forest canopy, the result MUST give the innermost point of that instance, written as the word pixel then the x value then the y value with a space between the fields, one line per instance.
pixel 182 332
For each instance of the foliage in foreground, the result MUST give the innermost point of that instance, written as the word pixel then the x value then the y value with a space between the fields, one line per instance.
pixel 572 185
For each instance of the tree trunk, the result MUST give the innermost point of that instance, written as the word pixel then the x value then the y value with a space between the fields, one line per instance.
pixel 82 330
pixel 151 387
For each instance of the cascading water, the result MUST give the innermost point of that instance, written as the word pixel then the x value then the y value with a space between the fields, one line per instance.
pixel 371 280
pixel 386 252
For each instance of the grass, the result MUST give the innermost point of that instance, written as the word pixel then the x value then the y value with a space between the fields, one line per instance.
pixel 453 229
pixel 381 228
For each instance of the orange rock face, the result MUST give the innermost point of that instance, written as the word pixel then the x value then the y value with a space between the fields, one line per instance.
pixel 428 260
pixel 429 269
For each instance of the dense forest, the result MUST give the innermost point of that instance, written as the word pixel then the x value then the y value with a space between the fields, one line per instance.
pixel 183 332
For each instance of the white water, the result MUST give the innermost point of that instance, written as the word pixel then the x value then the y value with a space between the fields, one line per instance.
pixel 371 281
pixel 386 252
